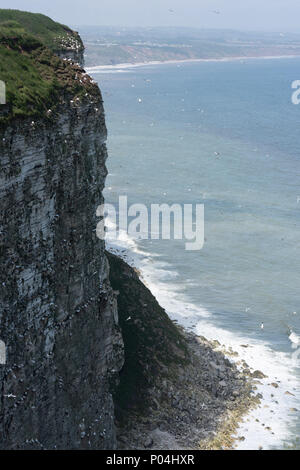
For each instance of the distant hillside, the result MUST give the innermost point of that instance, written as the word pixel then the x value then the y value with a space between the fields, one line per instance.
pixel 53 35
pixel 112 45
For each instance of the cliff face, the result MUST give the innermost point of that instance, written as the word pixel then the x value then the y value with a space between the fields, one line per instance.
pixel 58 315
pixel 58 308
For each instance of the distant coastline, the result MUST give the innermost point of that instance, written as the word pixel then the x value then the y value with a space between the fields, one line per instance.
pixel 129 65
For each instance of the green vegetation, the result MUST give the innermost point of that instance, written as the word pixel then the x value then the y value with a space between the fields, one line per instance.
pixel 53 35
pixel 36 79
pixel 154 345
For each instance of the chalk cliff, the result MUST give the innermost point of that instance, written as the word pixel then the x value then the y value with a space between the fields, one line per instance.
pixel 58 313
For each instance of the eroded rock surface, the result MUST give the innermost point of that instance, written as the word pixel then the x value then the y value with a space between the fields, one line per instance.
pixel 58 313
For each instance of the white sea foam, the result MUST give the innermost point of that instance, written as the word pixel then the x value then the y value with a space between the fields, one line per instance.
pixel 109 70
pixel 294 339
pixel 123 67
pixel 275 411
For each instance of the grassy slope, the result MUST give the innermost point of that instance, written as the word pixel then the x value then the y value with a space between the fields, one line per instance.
pixel 53 35
pixel 152 342
pixel 35 78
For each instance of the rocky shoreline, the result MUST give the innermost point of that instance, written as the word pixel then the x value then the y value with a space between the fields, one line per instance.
pixel 200 407
pixel 196 399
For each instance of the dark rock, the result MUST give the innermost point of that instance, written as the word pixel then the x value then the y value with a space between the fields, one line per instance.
pixel 257 374
pixel 63 348
pixel 274 384
pixel 148 442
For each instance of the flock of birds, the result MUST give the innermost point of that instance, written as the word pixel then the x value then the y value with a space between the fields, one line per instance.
pixel 217 12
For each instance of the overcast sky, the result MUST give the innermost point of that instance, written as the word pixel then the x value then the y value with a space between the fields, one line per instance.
pixel 272 15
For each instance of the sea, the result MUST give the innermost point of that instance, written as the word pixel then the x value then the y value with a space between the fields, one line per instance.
pixel 224 134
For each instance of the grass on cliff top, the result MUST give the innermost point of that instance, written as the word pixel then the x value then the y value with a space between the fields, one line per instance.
pixel 36 79
pixel 52 34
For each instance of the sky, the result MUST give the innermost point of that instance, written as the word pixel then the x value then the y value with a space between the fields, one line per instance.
pixel 255 15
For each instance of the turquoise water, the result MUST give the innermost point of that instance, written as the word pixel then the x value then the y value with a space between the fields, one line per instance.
pixel 226 135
